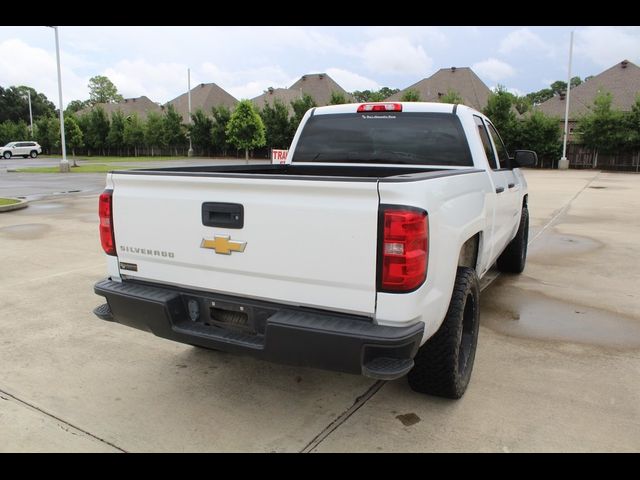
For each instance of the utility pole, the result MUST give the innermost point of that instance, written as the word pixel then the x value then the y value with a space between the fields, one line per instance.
pixel 563 164
pixel 64 163
pixel 190 152
pixel 30 113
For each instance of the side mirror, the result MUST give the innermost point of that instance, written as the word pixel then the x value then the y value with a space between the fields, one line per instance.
pixel 525 158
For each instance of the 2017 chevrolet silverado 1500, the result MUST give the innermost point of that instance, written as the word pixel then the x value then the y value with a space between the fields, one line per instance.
pixel 362 254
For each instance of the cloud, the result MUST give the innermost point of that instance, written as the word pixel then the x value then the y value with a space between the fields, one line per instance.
pixel 395 55
pixel 606 46
pixel 158 81
pixel 493 69
pixel 351 81
pixel 430 35
pixel 249 82
pixel 22 64
pixel 524 39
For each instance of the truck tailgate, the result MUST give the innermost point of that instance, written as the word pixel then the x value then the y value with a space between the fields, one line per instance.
pixel 308 242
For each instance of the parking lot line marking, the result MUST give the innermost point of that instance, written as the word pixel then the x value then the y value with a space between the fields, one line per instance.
pixel 564 209
pixel 59 274
pixel 68 424
pixel 343 417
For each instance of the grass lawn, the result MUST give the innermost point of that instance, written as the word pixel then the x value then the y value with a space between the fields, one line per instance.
pixel 100 159
pixel 97 168
pixel 8 201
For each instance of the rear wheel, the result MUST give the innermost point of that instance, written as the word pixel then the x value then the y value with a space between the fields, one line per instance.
pixel 33 154
pixel 444 363
pixel 514 257
pixel 6 155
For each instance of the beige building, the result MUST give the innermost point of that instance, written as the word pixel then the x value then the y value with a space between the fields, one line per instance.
pixel 462 80
pixel 320 86
pixel 622 81
pixel 204 96
pixel 140 105
pixel 284 95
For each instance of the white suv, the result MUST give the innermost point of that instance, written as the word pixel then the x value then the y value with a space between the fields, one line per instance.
pixel 21 149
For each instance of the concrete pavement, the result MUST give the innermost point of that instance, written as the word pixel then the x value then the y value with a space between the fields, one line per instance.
pixel 556 370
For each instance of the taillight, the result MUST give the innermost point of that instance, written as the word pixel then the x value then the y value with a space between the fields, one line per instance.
pixel 105 211
pixel 404 248
pixel 380 107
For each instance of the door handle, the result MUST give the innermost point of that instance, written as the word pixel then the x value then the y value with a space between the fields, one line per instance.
pixel 499 189
pixel 511 185
pixel 225 215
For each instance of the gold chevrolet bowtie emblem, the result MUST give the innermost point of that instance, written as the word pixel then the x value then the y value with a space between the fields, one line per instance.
pixel 223 244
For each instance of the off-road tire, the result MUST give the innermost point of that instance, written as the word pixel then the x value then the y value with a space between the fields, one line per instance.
pixel 444 363
pixel 514 257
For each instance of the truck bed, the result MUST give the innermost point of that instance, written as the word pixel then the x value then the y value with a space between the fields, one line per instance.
pixel 303 172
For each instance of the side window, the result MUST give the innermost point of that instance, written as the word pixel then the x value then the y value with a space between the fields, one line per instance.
pixel 503 155
pixel 486 143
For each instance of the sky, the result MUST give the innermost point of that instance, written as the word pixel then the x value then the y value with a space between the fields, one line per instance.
pixel 245 61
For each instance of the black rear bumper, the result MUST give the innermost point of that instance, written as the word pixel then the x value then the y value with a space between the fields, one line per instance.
pixel 272 332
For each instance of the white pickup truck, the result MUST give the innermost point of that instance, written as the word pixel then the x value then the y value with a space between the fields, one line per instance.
pixel 362 254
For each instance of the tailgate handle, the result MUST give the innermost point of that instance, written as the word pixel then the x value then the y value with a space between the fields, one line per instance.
pixel 224 215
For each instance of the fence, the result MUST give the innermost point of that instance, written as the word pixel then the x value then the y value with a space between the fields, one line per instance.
pixel 582 157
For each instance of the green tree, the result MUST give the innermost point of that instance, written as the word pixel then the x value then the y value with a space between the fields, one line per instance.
pixel 14 104
pixel 153 131
pixel 13 131
pixel 337 98
pixel 200 130
pixel 300 107
pixel 374 96
pixel 522 104
pixel 72 135
pixel 632 122
pixel 499 111
pixel 97 129
pixel 173 130
pixel 452 97
pixel 53 132
pixel 539 133
pixel 133 132
pixel 558 87
pixel 221 117
pixel 102 90
pixel 245 129
pixel 75 105
pixel 276 124
pixel 115 138
pixel 603 129
pixel 42 133
pixel 410 96
pixel 536 98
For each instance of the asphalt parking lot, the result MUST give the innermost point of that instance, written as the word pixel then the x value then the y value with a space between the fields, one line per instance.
pixel 557 366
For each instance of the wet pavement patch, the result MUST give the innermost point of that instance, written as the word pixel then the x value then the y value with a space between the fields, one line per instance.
pixel 556 248
pixel 25 231
pixel 523 313
pixel 408 419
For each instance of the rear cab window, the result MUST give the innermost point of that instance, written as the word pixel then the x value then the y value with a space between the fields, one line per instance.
pixel 384 137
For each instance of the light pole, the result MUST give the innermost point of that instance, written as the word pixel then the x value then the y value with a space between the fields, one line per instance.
pixel 30 113
pixel 190 152
pixel 64 163
pixel 563 164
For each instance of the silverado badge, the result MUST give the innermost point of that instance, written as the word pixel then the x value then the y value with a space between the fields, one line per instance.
pixel 223 244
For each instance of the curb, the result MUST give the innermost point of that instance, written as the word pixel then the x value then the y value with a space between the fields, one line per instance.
pixel 14 206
